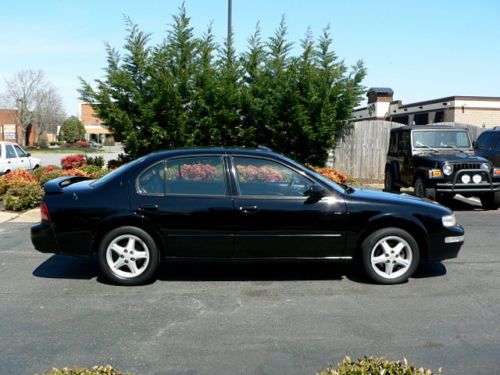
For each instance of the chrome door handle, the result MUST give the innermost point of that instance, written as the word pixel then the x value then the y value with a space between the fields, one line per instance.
pixel 148 207
pixel 248 209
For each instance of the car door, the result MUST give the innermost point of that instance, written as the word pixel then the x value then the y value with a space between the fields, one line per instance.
pixel 187 198
pixel 274 219
pixel 23 159
pixel 12 160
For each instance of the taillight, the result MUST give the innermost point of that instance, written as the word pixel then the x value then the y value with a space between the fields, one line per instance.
pixel 44 212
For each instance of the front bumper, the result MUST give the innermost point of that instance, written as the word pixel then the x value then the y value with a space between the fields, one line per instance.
pixel 43 239
pixel 487 184
pixel 441 248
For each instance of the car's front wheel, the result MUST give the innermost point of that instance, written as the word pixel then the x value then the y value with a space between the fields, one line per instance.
pixel 128 256
pixel 390 255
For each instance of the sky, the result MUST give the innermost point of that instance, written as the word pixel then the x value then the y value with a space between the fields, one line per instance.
pixel 421 49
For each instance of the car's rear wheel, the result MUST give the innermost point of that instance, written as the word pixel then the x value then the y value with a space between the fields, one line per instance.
pixel 490 201
pixel 128 256
pixel 390 255
pixel 389 182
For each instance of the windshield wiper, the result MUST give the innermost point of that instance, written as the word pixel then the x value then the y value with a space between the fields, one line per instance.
pixel 455 148
pixel 427 147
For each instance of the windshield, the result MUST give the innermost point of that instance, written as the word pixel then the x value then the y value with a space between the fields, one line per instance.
pixel 441 139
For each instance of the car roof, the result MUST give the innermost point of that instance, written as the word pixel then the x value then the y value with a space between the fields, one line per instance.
pixel 217 150
pixel 426 127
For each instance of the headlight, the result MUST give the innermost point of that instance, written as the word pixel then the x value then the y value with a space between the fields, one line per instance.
pixel 447 169
pixel 485 166
pixel 449 220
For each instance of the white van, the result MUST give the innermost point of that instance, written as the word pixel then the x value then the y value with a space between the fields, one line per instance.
pixel 12 156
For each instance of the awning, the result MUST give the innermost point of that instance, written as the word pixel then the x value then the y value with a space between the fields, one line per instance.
pixel 97 129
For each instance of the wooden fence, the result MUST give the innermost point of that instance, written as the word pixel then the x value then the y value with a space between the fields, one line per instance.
pixel 362 152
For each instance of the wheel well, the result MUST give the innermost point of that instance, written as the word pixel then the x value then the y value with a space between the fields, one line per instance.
pixel 413 229
pixel 123 222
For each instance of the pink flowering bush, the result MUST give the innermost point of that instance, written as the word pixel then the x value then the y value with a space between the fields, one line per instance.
pixel 266 173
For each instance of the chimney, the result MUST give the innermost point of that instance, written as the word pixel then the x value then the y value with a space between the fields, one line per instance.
pixel 380 94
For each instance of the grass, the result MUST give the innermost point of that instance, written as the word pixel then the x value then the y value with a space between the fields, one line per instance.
pixel 68 151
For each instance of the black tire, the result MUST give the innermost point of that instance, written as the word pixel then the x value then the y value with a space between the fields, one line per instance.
pixel 419 187
pixel 146 245
pixel 444 199
pixel 490 201
pixel 389 182
pixel 409 253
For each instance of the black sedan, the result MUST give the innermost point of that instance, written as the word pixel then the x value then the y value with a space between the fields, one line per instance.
pixel 237 205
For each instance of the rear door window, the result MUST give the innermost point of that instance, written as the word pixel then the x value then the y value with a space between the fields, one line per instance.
pixel 197 175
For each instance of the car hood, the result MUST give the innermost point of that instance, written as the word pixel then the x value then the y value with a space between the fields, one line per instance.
pixel 380 197
pixel 458 157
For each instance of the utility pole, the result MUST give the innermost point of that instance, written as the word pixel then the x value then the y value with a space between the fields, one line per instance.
pixel 229 19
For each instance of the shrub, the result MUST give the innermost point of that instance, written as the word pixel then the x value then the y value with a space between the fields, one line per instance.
pixel 74 161
pixel 82 144
pixel 17 177
pixel 97 161
pixel 48 173
pixel 94 171
pixel 114 163
pixel 333 174
pixel 22 196
pixel 96 370
pixel 43 140
pixel 375 366
pixel 73 172
pixel 72 130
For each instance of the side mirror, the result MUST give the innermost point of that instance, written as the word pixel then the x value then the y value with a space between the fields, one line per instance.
pixel 474 144
pixel 29 154
pixel 315 192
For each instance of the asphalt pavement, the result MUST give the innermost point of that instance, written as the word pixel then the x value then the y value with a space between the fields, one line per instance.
pixel 250 319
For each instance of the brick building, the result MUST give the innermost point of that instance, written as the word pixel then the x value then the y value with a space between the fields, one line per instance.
pixel 11 129
pixel 94 126
pixel 481 111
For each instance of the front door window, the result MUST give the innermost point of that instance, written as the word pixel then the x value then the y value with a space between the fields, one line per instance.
pixel 261 177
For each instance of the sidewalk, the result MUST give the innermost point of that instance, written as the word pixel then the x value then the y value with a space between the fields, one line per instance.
pixel 30 216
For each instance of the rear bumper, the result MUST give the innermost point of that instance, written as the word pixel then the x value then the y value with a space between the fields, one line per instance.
pixel 440 246
pixel 43 239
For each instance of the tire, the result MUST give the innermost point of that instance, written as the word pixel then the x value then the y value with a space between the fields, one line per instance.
pixel 390 256
pixel 445 199
pixel 490 201
pixel 419 187
pixel 134 247
pixel 389 182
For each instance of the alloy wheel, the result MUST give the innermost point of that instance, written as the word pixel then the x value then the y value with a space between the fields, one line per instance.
pixel 127 256
pixel 391 257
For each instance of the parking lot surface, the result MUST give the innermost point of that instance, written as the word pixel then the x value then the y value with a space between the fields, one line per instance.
pixel 251 319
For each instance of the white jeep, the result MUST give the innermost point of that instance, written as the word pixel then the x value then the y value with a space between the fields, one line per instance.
pixel 12 157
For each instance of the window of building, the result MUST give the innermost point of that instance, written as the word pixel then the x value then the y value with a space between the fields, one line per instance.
pixel 421 119
pixel 439 117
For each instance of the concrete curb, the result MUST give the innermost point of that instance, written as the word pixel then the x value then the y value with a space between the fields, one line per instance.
pixel 30 216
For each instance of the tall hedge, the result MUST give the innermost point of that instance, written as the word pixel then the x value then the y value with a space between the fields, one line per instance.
pixel 190 91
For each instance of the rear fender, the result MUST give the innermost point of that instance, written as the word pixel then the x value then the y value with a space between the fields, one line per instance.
pixel 135 220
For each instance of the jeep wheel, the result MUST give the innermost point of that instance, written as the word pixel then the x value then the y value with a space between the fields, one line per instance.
pixel 419 187
pixel 490 201
pixel 389 182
